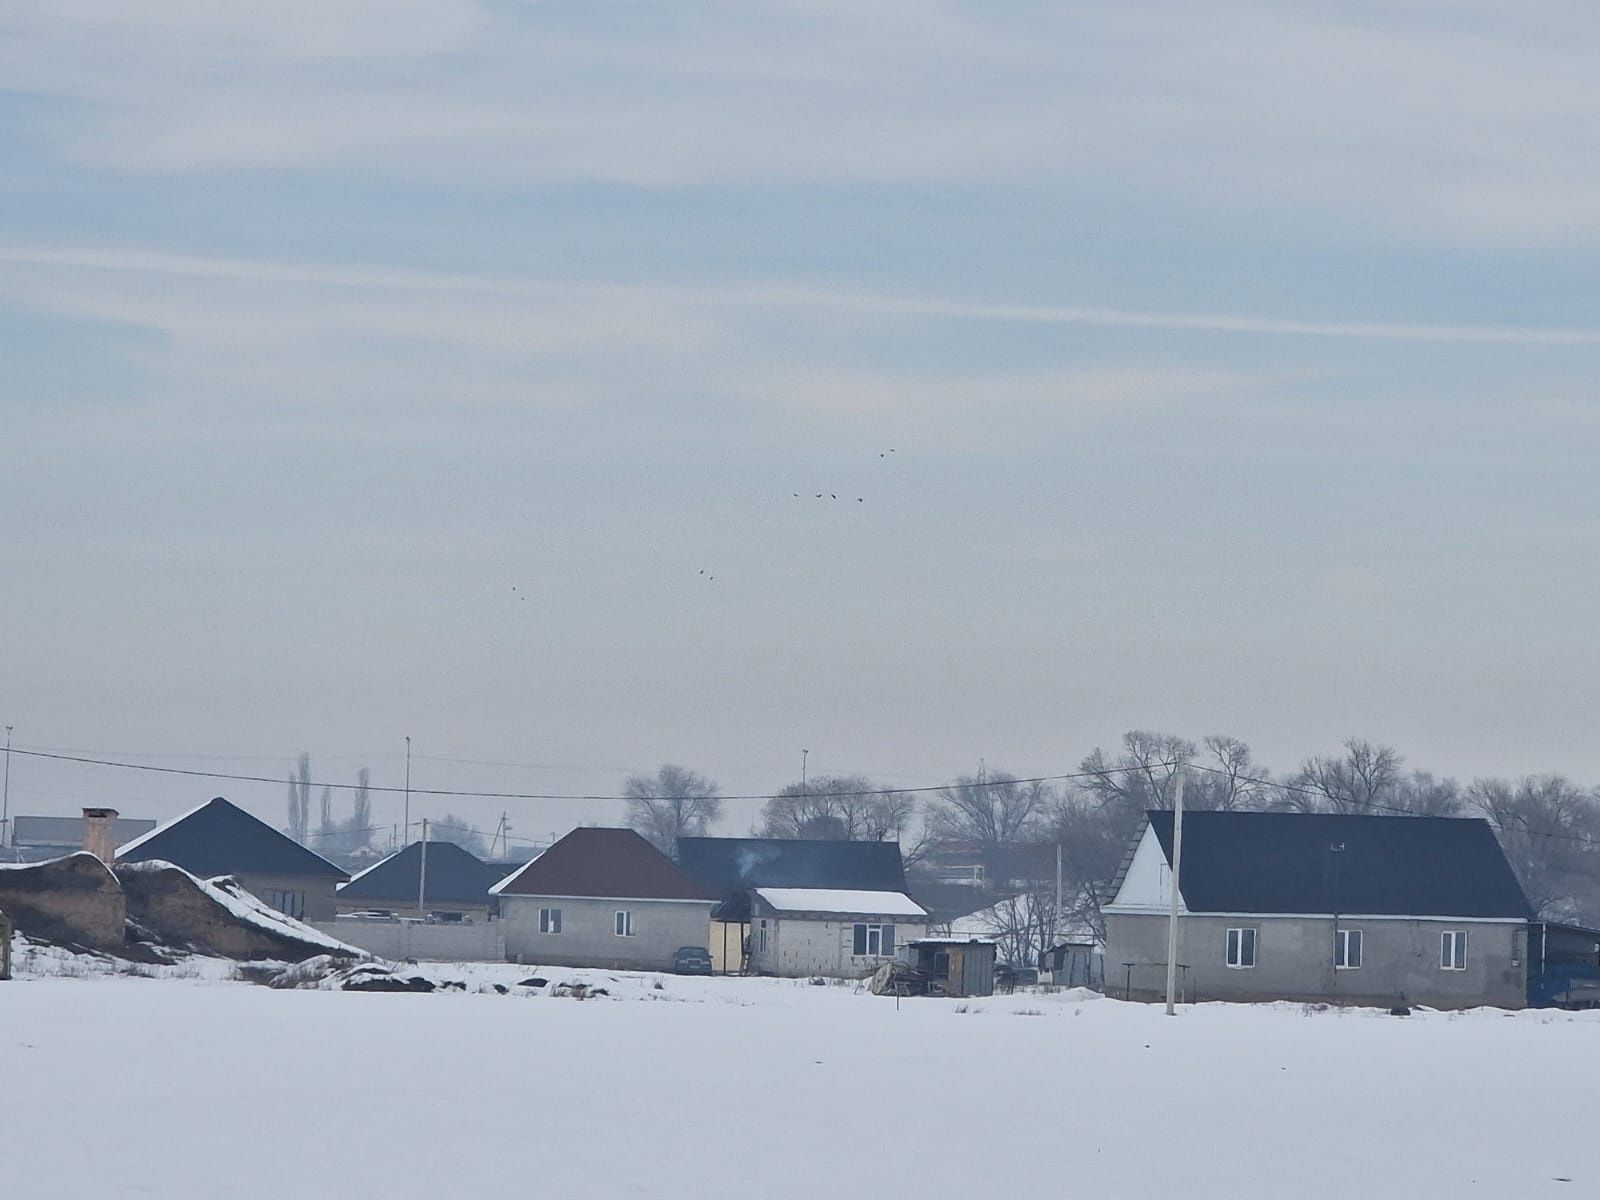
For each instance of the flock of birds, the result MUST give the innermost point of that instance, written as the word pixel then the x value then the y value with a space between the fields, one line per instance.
pixel 709 578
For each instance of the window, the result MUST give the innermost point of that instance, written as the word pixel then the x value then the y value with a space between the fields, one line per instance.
pixel 1241 948
pixel 291 904
pixel 1347 949
pixel 873 941
pixel 624 923
pixel 762 940
pixel 549 920
pixel 1453 950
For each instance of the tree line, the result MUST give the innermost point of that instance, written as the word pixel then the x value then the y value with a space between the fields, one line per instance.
pixel 1548 825
pixel 342 837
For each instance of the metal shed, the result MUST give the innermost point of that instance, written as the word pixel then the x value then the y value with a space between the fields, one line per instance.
pixel 953 966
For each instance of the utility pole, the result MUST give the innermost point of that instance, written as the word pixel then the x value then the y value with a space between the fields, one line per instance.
pixel 422 876
pixel 1172 907
pixel 5 805
pixel 405 830
pixel 803 755
pixel 1055 932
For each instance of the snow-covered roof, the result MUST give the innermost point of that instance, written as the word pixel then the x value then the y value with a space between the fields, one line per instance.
pixel 830 900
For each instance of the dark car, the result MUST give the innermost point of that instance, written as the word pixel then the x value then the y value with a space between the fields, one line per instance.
pixel 691 960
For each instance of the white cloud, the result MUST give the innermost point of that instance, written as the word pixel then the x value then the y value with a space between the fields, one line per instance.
pixel 1459 122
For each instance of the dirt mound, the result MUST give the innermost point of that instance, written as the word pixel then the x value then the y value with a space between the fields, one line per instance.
pixel 215 917
pixel 74 900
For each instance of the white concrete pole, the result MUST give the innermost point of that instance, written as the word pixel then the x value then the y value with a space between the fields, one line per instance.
pixel 422 876
pixel 1172 907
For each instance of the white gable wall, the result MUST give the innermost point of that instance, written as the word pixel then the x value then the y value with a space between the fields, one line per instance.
pixel 1148 885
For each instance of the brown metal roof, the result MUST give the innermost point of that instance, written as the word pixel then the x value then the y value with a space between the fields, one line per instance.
pixel 606 864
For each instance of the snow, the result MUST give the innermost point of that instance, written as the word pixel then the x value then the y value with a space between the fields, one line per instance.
pixel 827 900
pixel 730 1088
pixel 224 890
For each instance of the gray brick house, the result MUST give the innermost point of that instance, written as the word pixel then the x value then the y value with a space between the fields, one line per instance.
pixel 1322 907
pixel 219 838
pixel 602 898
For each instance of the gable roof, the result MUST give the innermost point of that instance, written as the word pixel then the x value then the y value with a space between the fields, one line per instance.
pixel 730 867
pixel 1276 862
pixel 834 901
pixel 219 838
pixel 612 864
pixel 454 874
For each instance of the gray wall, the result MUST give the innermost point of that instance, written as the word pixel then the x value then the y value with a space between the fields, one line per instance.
pixel 587 937
pixel 319 890
pixel 1294 961
pixel 478 942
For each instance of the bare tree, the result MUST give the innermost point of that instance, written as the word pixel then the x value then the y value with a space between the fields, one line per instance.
pixel 457 829
pixel 1550 830
pixel 1140 778
pixel 1229 778
pixel 360 827
pixel 846 808
pixel 300 800
pixel 675 802
pixel 1365 779
pixel 990 810
pixel 1023 926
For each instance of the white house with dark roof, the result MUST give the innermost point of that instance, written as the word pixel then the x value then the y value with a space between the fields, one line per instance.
pixel 1336 908
pixel 602 898
pixel 830 932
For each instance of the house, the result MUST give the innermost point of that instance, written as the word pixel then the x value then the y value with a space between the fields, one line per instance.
pixel 1322 907
pixel 454 888
pixel 219 838
pixel 731 868
pixel 602 898
pixel 800 932
pixel 35 839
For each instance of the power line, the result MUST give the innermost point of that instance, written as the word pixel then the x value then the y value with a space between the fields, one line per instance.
pixel 862 793
pixel 1316 794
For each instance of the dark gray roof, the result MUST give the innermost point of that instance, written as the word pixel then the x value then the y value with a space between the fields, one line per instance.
pixel 454 875
pixel 1252 862
pixel 730 867
pixel 220 838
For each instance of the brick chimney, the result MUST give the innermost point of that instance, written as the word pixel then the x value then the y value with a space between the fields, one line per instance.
pixel 100 833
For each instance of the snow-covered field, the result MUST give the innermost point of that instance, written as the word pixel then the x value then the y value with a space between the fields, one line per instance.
pixel 711 1088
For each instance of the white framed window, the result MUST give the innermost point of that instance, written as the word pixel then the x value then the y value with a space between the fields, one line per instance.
pixel 292 904
pixel 1347 946
pixel 1241 952
pixel 873 941
pixel 761 938
pixel 1453 950
pixel 549 920
pixel 623 923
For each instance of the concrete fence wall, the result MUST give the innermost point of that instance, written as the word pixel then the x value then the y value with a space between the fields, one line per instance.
pixel 478 942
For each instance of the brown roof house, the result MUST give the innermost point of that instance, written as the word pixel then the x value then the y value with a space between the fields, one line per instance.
pixel 602 898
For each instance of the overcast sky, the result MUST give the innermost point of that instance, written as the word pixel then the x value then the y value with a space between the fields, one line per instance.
pixel 1239 368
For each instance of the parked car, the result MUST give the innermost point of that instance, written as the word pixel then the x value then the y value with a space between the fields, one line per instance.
pixel 691 960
